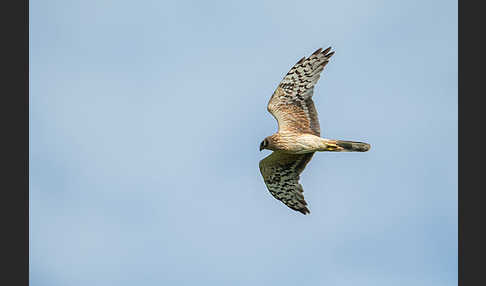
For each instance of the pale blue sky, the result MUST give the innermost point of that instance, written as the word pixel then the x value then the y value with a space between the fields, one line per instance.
pixel 145 123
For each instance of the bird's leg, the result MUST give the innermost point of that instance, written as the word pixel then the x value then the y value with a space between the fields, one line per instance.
pixel 343 146
pixel 329 145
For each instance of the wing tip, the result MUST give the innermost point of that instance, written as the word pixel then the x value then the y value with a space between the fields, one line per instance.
pixel 316 52
pixel 304 210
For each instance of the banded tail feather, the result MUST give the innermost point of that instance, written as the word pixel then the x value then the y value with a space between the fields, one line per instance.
pixel 345 146
pixel 352 146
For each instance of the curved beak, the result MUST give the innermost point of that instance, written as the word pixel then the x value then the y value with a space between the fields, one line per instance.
pixel 261 147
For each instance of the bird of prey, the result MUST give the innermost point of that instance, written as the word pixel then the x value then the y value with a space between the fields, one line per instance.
pixel 298 136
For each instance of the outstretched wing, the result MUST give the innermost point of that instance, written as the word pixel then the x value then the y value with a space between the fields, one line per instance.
pixel 281 172
pixel 291 103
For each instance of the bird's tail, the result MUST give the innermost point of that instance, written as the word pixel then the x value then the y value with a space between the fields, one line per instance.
pixel 345 146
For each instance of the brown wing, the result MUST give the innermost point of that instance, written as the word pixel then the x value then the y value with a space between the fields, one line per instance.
pixel 281 173
pixel 291 103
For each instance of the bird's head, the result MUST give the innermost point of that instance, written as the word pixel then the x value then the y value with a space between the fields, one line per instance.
pixel 266 143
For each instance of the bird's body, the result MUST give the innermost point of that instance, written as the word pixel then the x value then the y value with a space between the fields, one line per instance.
pixel 298 136
pixel 297 143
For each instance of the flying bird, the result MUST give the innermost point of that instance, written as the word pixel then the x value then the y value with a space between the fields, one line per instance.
pixel 298 136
